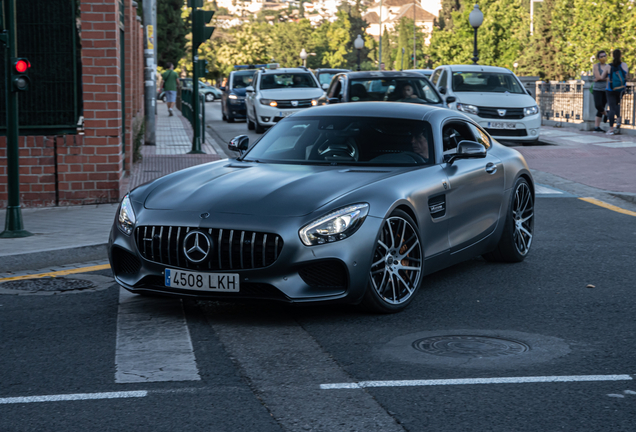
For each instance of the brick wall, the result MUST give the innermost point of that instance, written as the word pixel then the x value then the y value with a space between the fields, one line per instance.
pixel 89 168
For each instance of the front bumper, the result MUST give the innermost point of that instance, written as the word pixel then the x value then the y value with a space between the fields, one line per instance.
pixel 526 129
pixel 334 272
pixel 269 116
pixel 236 108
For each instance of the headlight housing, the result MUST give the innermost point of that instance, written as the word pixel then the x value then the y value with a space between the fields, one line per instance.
pixel 470 109
pixel 335 226
pixel 531 110
pixel 232 96
pixel 314 102
pixel 269 102
pixel 126 220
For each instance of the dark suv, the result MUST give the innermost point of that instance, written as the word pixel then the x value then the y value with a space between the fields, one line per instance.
pixel 233 98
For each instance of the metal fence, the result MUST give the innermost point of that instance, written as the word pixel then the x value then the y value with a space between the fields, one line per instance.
pixel 564 102
pixel 187 110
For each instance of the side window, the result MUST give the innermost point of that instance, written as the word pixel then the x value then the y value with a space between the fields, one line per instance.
pixel 255 80
pixel 443 82
pixel 336 89
pixel 455 132
pixel 342 88
pixel 435 76
pixel 482 137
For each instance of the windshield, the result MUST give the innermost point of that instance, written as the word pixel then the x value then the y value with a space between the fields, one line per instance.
pixel 325 77
pixel 287 80
pixel 242 79
pixel 491 82
pixel 369 141
pixel 415 90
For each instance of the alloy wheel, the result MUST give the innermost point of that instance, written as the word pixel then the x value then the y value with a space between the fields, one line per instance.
pixel 397 261
pixel 523 216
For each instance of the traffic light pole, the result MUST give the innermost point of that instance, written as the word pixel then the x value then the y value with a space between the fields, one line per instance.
pixel 13 226
pixel 150 80
pixel 196 124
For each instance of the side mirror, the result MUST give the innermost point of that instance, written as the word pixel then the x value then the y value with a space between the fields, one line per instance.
pixel 325 86
pixel 222 88
pixel 466 150
pixel 333 100
pixel 442 90
pixel 239 144
pixel 450 99
pixel 249 89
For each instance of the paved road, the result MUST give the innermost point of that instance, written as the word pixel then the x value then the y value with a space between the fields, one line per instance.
pixel 260 367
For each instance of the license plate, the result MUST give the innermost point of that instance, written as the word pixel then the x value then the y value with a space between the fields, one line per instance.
pixel 285 113
pixel 215 282
pixel 501 125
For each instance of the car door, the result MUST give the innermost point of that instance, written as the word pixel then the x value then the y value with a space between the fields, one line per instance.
pixel 475 187
pixel 250 96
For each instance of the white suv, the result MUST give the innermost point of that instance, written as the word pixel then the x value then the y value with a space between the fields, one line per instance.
pixel 493 97
pixel 278 93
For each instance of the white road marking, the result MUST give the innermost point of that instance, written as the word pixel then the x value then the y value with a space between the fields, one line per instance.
pixel 542 190
pixel 444 382
pixel 153 341
pixel 75 397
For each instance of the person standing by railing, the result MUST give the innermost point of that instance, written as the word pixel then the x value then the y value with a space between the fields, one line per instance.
pixel 616 84
pixel 599 86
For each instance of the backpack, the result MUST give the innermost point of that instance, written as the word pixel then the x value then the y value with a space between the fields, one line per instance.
pixel 617 79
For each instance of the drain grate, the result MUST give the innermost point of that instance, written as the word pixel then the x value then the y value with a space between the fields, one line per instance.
pixel 59 284
pixel 465 346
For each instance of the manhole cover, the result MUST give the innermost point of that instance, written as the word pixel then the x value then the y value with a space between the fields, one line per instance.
pixel 48 284
pixel 466 346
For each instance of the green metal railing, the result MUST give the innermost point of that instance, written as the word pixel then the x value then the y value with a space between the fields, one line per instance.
pixel 187 110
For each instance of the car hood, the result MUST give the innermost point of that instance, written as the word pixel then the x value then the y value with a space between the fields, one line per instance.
pixel 238 91
pixel 496 100
pixel 259 189
pixel 292 94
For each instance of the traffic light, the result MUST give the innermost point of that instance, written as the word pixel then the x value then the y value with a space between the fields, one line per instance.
pixel 20 78
pixel 201 32
pixel 202 66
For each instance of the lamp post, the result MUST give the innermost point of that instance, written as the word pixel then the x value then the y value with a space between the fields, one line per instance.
pixel 358 44
pixel 303 57
pixel 475 19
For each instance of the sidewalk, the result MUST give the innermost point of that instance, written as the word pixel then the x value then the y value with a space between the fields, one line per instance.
pixel 75 234
pixel 580 163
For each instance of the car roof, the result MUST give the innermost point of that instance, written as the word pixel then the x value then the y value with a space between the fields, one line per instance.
pixel 332 70
pixel 477 68
pixel 285 70
pixel 382 74
pixel 373 109
pixel 418 70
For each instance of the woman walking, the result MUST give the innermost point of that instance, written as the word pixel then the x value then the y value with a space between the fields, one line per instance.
pixel 599 86
pixel 616 81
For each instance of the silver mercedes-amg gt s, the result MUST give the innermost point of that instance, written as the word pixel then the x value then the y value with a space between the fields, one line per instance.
pixel 334 204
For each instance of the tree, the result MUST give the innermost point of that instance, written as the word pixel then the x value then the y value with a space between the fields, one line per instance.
pixel 171 32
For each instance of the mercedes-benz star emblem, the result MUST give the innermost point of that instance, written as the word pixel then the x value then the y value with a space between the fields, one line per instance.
pixel 196 246
pixel 501 112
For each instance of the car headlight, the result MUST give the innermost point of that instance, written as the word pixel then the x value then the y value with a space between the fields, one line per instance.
pixel 269 102
pixel 531 110
pixel 126 220
pixel 314 102
pixel 335 226
pixel 471 109
pixel 232 96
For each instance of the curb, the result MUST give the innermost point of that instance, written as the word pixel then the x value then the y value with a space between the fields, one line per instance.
pixel 53 258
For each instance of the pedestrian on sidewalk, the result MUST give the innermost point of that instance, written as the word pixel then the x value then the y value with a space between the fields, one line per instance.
pixel 170 84
pixel 600 84
pixel 616 84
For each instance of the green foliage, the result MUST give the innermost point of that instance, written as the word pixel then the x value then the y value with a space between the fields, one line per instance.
pixel 171 31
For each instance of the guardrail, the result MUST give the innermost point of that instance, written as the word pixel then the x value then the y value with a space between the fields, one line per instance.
pixel 187 110
pixel 572 102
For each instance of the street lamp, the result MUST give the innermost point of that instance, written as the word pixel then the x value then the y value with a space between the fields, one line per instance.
pixel 358 44
pixel 475 19
pixel 303 57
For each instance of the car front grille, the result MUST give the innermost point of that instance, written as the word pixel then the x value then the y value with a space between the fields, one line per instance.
pixel 507 132
pixel 325 274
pixel 230 249
pixel 491 113
pixel 302 103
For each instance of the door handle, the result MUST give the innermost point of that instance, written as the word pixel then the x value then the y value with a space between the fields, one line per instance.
pixel 491 168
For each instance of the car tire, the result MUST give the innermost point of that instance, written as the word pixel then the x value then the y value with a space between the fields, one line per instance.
pixel 397 262
pixel 209 97
pixel 230 119
pixel 164 98
pixel 516 239
pixel 223 116
pixel 250 123
pixel 257 126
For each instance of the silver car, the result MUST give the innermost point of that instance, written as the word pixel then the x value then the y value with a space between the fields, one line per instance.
pixel 333 204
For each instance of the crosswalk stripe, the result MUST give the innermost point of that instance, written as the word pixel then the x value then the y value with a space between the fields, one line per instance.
pixel 153 341
pixel 74 397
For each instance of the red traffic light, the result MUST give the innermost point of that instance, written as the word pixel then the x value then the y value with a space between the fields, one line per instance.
pixel 21 66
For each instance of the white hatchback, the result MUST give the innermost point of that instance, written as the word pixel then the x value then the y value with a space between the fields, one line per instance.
pixel 493 97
